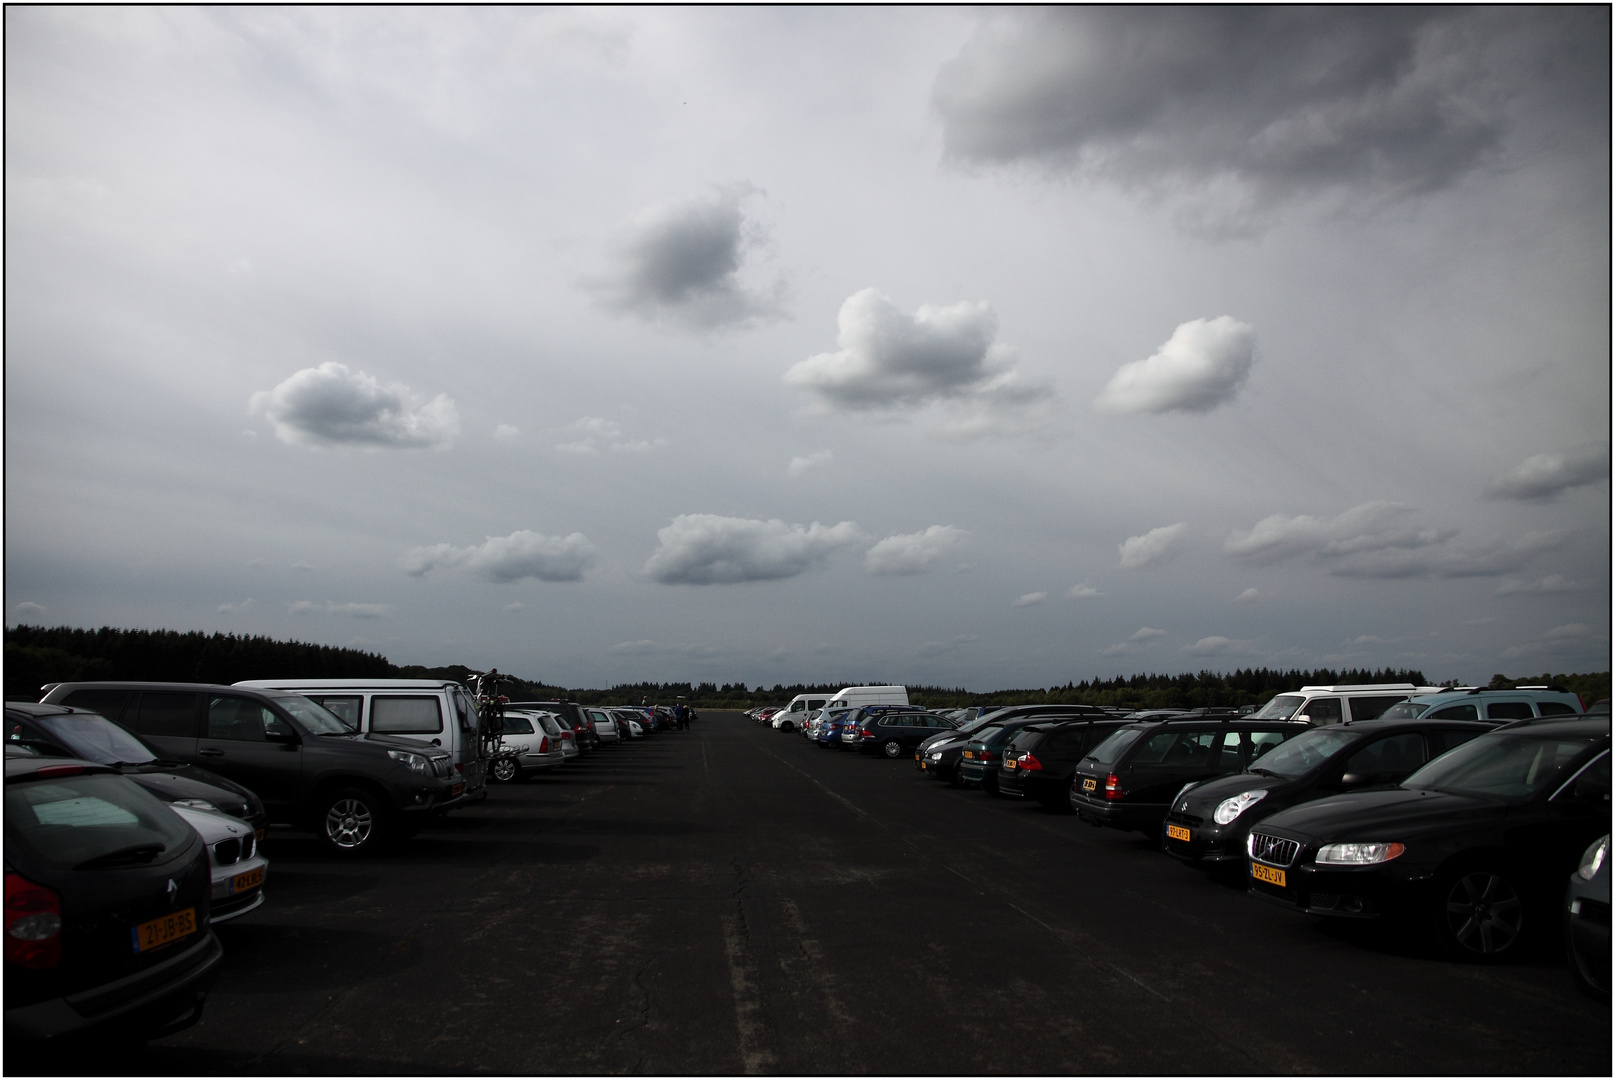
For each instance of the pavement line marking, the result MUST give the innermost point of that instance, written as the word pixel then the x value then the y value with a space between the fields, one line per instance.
pixel 754 1057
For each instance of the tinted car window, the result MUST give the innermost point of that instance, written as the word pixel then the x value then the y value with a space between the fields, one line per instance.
pixel 405 715
pixel 73 820
pixel 1263 741
pixel 1368 708
pixel 1508 710
pixel 1112 748
pixel 94 738
pixel 171 715
pixel 345 707
pixel 1403 710
pixel 1395 756
pixel 1324 710
pixel 1442 741
pixel 1306 751
pixel 109 703
pixel 518 725
pixel 1509 765
pixel 315 719
pixel 1456 712
pixel 237 719
pixel 1555 708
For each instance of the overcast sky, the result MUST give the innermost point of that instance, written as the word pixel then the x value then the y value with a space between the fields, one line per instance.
pixel 982 349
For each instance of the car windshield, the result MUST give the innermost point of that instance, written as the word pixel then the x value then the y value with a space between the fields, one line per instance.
pixel 1404 710
pixel 95 738
pixel 1515 765
pixel 987 734
pixel 1280 708
pixel 316 719
pixel 1306 751
pixel 1112 748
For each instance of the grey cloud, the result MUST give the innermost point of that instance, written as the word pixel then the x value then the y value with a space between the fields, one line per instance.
pixel 1369 541
pixel 1154 547
pixel 682 263
pixel 643 647
pixel 357 611
pixel 937 648
pixel 708 549
pixel 889 358
pixel 1082 591
pixel 1279 100
pixel 1203 364
pixel 913 553
pixel 1545 476
pixel 1147 633
pixel 330 405
pixel 1550 585
pixel 1030 599
pixel 224 609
pixel 503 559
pixel 1218 646
pixel 30 610
pixel 803 462
pixel 592 433
pixel 1141 638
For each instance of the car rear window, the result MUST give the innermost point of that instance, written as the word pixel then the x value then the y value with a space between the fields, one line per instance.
pixel 1113 747
pixel 1511 765
pixel 518 725
pixel 72 820
pixel 1402 710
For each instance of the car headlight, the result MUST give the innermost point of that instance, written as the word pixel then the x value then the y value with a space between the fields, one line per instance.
pixel 1358 854
pixel 203 804
pixel 1229 809
pixel 1593 858
pixel 414 762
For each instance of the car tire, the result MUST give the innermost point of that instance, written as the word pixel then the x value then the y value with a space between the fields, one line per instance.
pixel 787 726
pixel 352 822
pixel 892 748
pixel 1480 914
pixel 1589 978
pixel 504 771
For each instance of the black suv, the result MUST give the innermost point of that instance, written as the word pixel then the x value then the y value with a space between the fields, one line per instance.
pixel 1128 780
pixel 356 792
pixel 1039 761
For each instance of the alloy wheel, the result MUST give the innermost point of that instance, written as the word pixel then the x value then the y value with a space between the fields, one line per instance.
pixel 349 823
pixel 1484 913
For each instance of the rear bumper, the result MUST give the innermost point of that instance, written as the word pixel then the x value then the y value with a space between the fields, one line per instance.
pixel 153 998
pixel 1119 815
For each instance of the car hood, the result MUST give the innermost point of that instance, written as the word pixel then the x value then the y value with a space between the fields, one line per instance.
pixel 1374 815
pixel 170 781
pixel 1204 797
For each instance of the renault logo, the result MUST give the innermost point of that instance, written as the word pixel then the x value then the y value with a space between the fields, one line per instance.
pixel 173 890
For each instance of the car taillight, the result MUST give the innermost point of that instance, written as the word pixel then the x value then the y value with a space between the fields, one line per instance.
pixel 33 924
pixel 1113 786
pixel 59 770
pixel 459 768
pixel 868 733
pixel 985 755
pixel 1030 762
pixel 544 745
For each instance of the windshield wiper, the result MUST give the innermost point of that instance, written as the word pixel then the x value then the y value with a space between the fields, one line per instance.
pixel 134 853
pixel 1267 772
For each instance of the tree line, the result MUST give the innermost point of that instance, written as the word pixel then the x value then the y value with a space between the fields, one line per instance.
pixel 36 655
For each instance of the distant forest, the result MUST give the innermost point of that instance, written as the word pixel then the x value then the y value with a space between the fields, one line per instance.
pixel 36 655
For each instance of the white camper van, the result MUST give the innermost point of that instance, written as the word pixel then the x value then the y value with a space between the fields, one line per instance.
pixel 796 713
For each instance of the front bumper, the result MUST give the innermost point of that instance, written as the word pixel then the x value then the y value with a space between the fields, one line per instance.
pixel 1368 892
pixel 1209 844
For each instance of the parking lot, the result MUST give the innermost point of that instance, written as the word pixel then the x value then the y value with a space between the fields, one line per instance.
pixel 731 899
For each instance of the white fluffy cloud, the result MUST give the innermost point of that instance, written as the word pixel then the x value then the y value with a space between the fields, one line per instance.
pixel 1154 547
pixel 682 263
pixel 1373 540
pixel 356 611
pixel 522 554
pixel 708 549
pixel 330 405
pixel 889 358
pixel 1082 591
pixel 1030 599
pixel 802 463
pixel 913 553
pixel 592 434
pixel 1544 476
pixel 30 610
pixel 1202 365
pixel 1217 646
pixel 1141 638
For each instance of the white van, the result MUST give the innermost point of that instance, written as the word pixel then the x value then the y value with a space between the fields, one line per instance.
pixel 436 711
pixel 1339 704
pixel 796 713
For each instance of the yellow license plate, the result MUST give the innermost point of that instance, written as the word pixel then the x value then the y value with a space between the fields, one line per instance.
pixel 456 790
pixel 250 880
pixel 1089 785
pixel 1177 832
pixel 164 931
pixel 1267 874
pixel 1010 764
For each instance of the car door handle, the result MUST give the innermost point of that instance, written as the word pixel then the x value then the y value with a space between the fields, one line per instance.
pixel 211 751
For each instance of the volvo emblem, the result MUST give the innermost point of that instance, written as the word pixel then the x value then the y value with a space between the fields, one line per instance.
pixel 173 890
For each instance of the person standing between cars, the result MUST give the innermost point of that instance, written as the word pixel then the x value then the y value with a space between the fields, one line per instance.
pixel 678 716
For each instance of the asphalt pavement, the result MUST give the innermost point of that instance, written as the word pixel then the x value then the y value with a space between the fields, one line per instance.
pixel 731 900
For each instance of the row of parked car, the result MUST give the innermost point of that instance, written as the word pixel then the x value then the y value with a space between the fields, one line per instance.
pixel 1460 812
pixel 136 815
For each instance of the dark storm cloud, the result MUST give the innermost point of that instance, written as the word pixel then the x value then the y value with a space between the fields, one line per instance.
pixel 682 263
pixel 1545 476
pixel 1282 99
pixel 330 405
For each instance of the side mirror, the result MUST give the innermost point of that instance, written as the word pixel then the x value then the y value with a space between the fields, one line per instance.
pixel 277 731
pixel 1354 779
pixel 1304 718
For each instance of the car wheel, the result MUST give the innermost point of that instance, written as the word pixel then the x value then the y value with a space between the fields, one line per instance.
pixel 352 822
pixel 787 726
pixel 504 770
pixel 1590 977
pixel 892 748
pixel 1482 915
